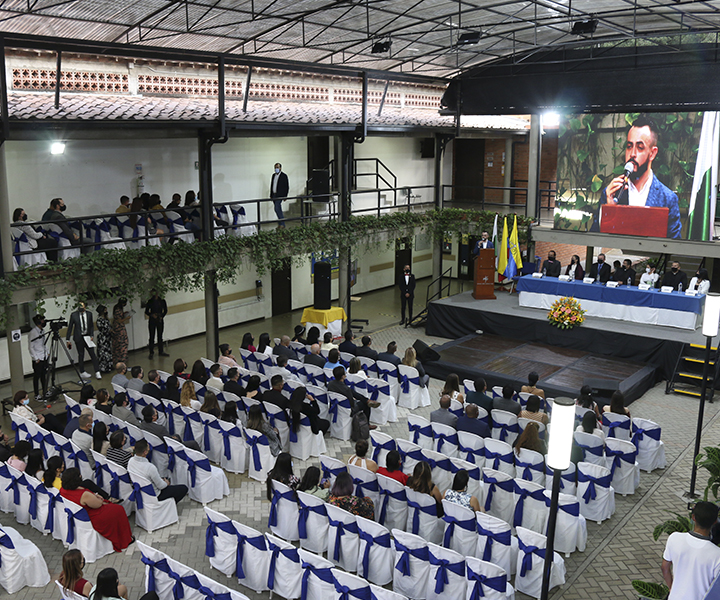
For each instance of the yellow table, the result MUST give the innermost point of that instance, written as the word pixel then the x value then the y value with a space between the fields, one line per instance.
pixel 325 320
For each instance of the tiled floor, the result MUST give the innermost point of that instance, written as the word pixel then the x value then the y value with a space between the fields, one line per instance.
pixel 619 550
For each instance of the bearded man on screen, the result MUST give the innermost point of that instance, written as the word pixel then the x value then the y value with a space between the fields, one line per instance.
pixel 640 187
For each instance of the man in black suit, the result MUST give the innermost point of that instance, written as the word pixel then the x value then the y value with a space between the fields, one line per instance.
pixel 506 402
pixel 155 311
pixel 80 324
pixel 347 345
pixel 551 267
pixel 389 356
pixel 600 271
pixel 676 277
pixel 55 213
pixel 339 386
pixel 483 242
pixel 172 390
pixel 284 349
pixel 479 396
pixel 625 273
pixel 407 294
pixel 152 387
pixel 274 395
pixel 365 349
pixel 232 385
pixel 315 358
pixel 279 188
pixel 469 422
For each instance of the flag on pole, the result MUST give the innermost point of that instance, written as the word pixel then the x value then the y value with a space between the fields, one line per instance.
pixel 701 216
pixel 514 261
pixel 496 241
pixel 503 252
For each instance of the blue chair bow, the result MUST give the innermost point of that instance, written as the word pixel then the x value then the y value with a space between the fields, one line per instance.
pixel 619 456
pixel 50 521
pixel 322 573
pixel 5 542
pixel 403 563
pixel 136 495
pixel 389 446
pixel 613 425
pixel 430 509
pixel 594 450
pixel 365 486
pixel 330 472
pixel 290 496
pixel 472 453
pixel 382 540
pixel 304 511
pixel 417 430
pixel 528 468
pixel 275 551
pixel 441 438
pixel 226 435
pixel 211 534
pixel 528 552
pixel 506 428
pixel 497 457
pixel 480 581
pixel 570 477
pixel 385 496
pixel 590 492
pixel 253 442
pixel 504 538
pixel 405 382
pixel 466 524
pixel 494 483
pixel 441 575
pixel 639 433
pixel 341 528
pixel 256 542
pixel 524 493
pixel 345 592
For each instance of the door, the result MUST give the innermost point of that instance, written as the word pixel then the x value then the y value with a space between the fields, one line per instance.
pixel 281 290
pixel 403 256
pixel 465 256
pixel 468 172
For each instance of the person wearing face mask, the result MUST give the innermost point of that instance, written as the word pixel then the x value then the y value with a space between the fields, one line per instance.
pixel 676 278
pixel 407 294
pixel 574 269
pixel 600 271
pixel 279 188
pixel 21 402
pixel 38 354
pixel 55 213
pixel 35 239
pixel 551 267
pixel 80 325
pixel 700 282
pixel 649 277
pixel 625 275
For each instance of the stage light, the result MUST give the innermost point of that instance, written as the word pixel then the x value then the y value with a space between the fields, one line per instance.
pixel 551 119
pixel 468 39
pixel 584 27
pixel 57 148
pixel 561 438
pixel 711 318
pixel 381 47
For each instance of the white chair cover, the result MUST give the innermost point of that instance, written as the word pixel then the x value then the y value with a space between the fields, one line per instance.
pixel 447 573
pixel 205 481
pixel 499 499
pixel 530 465
pixel 81 535
pixel 114 479
pixel 412 566
pixel 528 579
pixel 499 456
pixel 531 511
pixel 350 586
pixel 411 454
pixel 304 443
pixel 621 457
pixel 340 416
pixel 490 578
pixel 175 225
pixel 283 519
pixel 594 492
pixel 312 523
pixel 389 373
pixel 393 503
pixel 420 432
pixel 67 250
pixel 343 540
pixel 380 391
pixel 616 426
pixel 150 513
pixel 234 454
pixel 505 426
pixel 412 394
pixel 381 444
pixel 375 552
pixel 422 517
pixel 313 375
pixel 442 471
pixel 651 449
pixel 366 486
pixel 445 440
pixel 212 442
pixel 592 446
pixel 331 468
pixel 570 527
pixel 19 491
pixel 78 458
pixel 278 419
pixel 22 562
pixel 495 543
pixel 158 451
pixel 318 582
pixel 22 244
pixel 568 480
pixel 285 570
pixel 379 593
pixel 260 458
pixel 460 528
pixel 67 594
pixel 39 520
pixel 522 423
pixel 471 448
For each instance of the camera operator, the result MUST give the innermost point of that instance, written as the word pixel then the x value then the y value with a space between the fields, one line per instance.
pixel 39 355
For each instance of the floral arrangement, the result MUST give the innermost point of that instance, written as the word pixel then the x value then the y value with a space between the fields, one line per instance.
pixel 566 313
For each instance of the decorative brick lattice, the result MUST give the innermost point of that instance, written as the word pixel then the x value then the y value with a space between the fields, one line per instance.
pixel 289 91
pixel 422 100
pixel 70 81
pixel 170 85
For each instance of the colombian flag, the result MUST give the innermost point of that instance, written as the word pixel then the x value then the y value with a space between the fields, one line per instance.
pixel 510 260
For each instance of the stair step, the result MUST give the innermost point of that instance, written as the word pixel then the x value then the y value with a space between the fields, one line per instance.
pixel 692 376
pixel 687 392
pixel 702 347
pixel 699 361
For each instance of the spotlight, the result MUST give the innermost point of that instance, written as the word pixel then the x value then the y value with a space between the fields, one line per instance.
pixel 57 148
pixel 381 47
pixel 468 39
pixel 584 27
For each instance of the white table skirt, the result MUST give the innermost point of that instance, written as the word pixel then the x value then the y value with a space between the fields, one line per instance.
pixel 619 312
pixel 334 327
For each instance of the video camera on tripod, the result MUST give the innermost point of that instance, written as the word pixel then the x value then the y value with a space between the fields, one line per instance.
pixel 56 324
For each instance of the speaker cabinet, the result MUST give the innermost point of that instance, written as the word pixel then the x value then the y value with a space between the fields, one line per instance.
pixel 424 352
pixel 322 285
pixel 320 184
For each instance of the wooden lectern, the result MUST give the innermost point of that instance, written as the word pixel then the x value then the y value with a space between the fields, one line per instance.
pixel 484 274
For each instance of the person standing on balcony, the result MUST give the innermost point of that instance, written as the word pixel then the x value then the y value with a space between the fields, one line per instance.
pixel 279 187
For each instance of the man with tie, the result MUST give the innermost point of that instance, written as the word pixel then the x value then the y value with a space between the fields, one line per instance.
pixel 600 271
pixel 80 325
pixel 407 293
pixel 279 187
pixel 483 242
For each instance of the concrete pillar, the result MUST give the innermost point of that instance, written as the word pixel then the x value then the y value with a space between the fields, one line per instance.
pixel 17 376
pixel 437 245
pixel 507 179
pixel 535 147
pixel 345 172
pixel 589 259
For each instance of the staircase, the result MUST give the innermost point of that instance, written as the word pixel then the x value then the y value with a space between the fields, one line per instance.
pixel 420 319
pixel 688 375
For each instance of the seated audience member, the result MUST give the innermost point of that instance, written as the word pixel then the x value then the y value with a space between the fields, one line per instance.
pixel 55 213
pixel 263 346
pixel 452 388
pixel 211 405
pixel 333 360
pixel 71 578
pixel 108 587
pixel 188 397
pixel 247 342
pixel 35 239
pixel 365 350
pixel 389 355
pixel 282 472
pixel 123 208
pixel 411 360
pixel 87 395
pixel 675 278
pixel 617 404
pixel 179 367
pixel 21 401
pixel 53 473
pixel 215 375
pixel 83 437
pixel 625 274
pixel 574 269
pixel 253 387
pixel 479 396
pixel 152 387
pixel 355 368
pixel 5 448
pixel 149 423
pixel 302 403
pixel 313 336
pixel 103 402
pixel 531 387
pixel 140 465
pixel 20 453
pixel 116 452
pixel 199 373
pixel 136 379
pixel 585 400
pixel 284 349
pixel 35 466
pixel 299 331
pixel 315 358
pixel 256 421
pixel 443 414
pixel 230 413
pixel 226 356
pixel 100 441
pixel 393 470
pixel 172 389
pixel 72 424
pixel 589 424
pixel 700 282
pixel 282 370
pixel 551 267
pixel 348 345
pixel 311 484
pixel 649 277
pixel 421 481
pixel 506 402
pixel 532 411
pixel 530 439
pixel 233 385
pixel 469 421
pixel 120 378
pixel 107 518
pixel 339 386
pixel 328 342
pixel 121 410
pixel 274 395
pixel 458 493
pixel 359 459
pixel 341 495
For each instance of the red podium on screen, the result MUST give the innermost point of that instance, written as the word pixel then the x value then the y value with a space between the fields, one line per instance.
pixel 648 221
pixel 484 275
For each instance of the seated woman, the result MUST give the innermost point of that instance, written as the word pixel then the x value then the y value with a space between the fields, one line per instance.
pixel 530 387
pixel 458 494
pixel 393 462
pixel 35 466
pixel 179 367
pixel 359 458
pixel 226 356
pixel 108 519
pixel 421 481
pixel 71 578
pixel 574 269
pixel 355 368
pixel 452 388
pixel 22 409
pixel 87 395
pixel 20 453
pixel 341 495
pixel 211 405
pixel 53 472
pixel 253 387
pixel 302 403
pixel 230 413
pixel 247 342
pixel 313 336
pixel 327 343
pixel 585 400
pixel 108 587
pixel 103 402
pixel 530 439
pixel 700 282
pixel 311 484
pixel 617 404
pixel 172 389
pixel 410 359
pixel 532 411
pixel 589 425
pixel 100 438
pixel 198 372
pixel 264 344
pixel 188 397
pixel 282 472
pixel 257 422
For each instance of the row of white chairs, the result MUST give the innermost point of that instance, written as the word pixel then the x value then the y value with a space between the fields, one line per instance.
pixel 21 562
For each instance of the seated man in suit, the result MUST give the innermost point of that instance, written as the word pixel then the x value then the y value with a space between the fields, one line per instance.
pixel 121 410
pixel 233 384
pixel 365 349
pixel 284 349
pixel 339 386
pixel 390 356
pixel 315 358
pixel 348 345
pixel 506 402
pixel 600 271
pixel 469 422
pixel 274 395
pixel 551 267
pixel 443 414
pixel 152 387
pixel 625 275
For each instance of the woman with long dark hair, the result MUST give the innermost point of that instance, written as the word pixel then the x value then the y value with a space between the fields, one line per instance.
pixel 574 269
pixel 230 413
pixel 421 481
pixel 341 495
pixel 53 472
pixel 311 484
pixel 282 472
pixel 530 439
pixel 617 404
pixel 264 344
pixel 313 336
pixel 211 405
pixel 100 438
pixel 257 422
pixel 198 372
pixel 247 342
pixel 298 408
pixel 34 466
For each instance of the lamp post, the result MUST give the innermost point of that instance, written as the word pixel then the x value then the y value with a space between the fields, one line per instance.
pixel 711 319
pixel 562 425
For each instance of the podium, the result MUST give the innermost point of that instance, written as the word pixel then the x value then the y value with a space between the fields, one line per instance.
pixel 484 275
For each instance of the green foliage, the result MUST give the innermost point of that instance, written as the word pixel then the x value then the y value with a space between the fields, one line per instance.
pixel 682 524
pixel 181 267
pixel 655 591
pixel 710 461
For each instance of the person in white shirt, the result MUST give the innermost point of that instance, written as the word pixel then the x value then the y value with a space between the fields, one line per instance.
pixel 700 282
pixel 328 342
pixel 649 277
pixel 281 369
pixel 140 465
pixel 38 354
pixel 691 562
pixel 214 380
pixel 35 239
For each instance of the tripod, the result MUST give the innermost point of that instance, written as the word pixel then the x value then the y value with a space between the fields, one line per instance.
pixel 56 342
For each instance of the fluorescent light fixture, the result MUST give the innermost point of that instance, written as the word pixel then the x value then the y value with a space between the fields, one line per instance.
pixel 562 426
pixel 551 119
pixel 57 148
pixel 711 319
pixel 468 39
